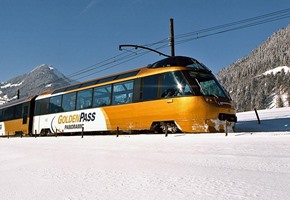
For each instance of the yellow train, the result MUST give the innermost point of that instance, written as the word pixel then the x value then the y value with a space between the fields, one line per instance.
pixel 176 94
pixel 16 117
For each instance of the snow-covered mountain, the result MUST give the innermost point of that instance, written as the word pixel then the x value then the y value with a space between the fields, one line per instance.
pixel 261 80
pixel 43 77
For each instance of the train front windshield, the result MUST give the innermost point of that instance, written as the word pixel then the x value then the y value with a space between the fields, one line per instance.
pixel 208 85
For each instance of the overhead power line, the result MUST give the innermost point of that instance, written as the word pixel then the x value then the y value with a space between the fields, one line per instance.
pixel 179 39
pixel 248 20
pixel 254 21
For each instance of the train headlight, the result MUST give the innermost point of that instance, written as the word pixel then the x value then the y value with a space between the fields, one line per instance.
pixel 211 99
pixel 208 99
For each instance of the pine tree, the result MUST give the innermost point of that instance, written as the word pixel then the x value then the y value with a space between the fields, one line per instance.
pixel 279 102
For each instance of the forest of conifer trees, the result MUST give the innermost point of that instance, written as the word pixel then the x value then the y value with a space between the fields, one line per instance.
pixel 246 82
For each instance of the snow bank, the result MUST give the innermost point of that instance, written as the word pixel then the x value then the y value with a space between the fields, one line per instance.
pixel 272 120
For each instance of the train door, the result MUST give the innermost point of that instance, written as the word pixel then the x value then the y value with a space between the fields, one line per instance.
pixel 31 114
pixel 25 114
pixel 38 109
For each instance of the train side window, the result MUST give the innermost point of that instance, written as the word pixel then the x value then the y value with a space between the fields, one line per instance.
pixel 123 92
pixel 102 96
pixel 55 104
pixel 149 90
pixel 8 113
pixel 1 116
pixel 25 113
pixel 69 101
pixel 41 106
pixel 4 114
pixel 137 90
pixel 84 99
pixel 174 84
pixel 18 111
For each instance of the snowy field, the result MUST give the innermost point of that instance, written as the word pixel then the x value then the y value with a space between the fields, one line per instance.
pixel 253 163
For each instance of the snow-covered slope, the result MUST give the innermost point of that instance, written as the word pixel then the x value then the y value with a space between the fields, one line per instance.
pixel 243 166
pixel 276 70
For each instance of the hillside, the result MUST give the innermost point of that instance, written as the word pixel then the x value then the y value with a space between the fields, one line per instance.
pixel 43 77
pixel 261 80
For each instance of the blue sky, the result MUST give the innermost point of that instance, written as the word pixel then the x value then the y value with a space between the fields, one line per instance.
pixel 72 35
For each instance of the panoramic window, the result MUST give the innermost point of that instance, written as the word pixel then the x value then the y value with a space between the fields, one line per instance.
pixel 173 85
pixel 55 104
pixel 149 88
pixel 102 96
pixel 41 106
pixel 18 111
pixel 69 101
pixel 8 113
pixel 84 99
pixel 123 92
pixel 209 86
pixel 25 113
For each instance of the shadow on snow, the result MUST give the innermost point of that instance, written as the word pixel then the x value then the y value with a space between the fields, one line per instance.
pixel 268 125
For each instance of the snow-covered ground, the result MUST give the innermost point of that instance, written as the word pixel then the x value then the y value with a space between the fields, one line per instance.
pixel 272 120
pixel 253 163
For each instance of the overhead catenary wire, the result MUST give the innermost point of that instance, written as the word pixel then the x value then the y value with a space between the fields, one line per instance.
pixel 114 59
pixel 180 39
pixel 99 64
pixel 276 13
pixel 111 62
pixel 198 35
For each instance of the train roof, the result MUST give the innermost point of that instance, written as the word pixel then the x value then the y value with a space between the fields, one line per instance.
pixel 174 61
pixel 16 101
pixel 98 81
pixel 180 61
